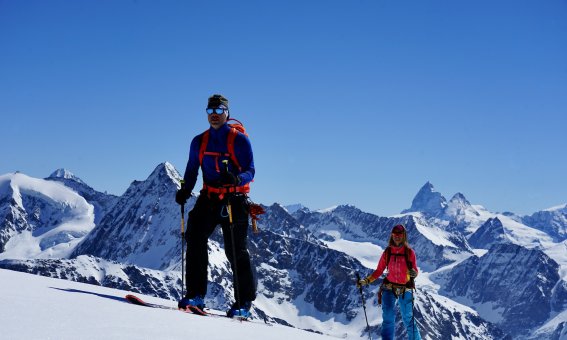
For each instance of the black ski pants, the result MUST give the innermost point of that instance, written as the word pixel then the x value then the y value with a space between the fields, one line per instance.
pixel 207 213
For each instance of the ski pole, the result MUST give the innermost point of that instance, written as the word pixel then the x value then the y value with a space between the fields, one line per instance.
pixel 235 269
pixel 235 266
pixel 412 280
pixel 413 312
pixel 363 306
pixel 182 247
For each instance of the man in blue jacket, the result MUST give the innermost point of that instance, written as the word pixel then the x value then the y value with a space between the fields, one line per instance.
pixel 227 163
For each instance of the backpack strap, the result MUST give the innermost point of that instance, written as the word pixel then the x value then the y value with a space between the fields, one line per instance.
pixel 230 146
pixel 232 133
pixel 411 282
pixel 408 262
pixel 203 148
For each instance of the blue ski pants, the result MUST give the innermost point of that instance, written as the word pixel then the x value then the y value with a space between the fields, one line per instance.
pixel 405 302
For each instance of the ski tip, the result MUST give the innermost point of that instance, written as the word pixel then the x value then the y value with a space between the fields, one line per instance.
pixel 196 310
pixel 135 300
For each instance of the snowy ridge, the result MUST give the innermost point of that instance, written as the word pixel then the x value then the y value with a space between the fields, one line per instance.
pixel 52 218
pixel 552 221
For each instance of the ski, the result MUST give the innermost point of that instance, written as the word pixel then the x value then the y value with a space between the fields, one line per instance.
pixel 190 310
pixel 133 299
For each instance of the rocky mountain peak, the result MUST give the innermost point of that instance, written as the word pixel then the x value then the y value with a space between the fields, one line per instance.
pixel 460 199
pixel 66 174
pixel 428 201
pixel 490 233
pixel 165 169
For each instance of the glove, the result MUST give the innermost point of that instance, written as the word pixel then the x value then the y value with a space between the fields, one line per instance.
pixel 362 282
pixel 412 273
pixel 181 196
pixel 228 178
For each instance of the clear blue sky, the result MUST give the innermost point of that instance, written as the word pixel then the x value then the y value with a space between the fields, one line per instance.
pixel 346 102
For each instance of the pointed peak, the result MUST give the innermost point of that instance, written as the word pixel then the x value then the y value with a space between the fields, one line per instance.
pixel 427 188
pixel 460 198
pixel 490 232
pixel 166 169
pixel 459 207
pixel 66 174
pixel 493 222
pixel 277 207
pixel 427 200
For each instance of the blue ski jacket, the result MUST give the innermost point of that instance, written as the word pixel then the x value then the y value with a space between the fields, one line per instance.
pixel 211 165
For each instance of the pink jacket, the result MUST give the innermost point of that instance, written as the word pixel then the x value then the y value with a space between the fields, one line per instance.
pixel 397 267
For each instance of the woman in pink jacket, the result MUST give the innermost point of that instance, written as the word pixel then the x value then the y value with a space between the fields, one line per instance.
pixel 398 286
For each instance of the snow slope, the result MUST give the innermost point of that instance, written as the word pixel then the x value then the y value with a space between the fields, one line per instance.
pixel 36 307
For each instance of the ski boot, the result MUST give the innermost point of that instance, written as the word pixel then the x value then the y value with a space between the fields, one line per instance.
pixel 240 313
pixel 194 305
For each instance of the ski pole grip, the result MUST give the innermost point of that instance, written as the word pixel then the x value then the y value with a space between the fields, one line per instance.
pixel 225 162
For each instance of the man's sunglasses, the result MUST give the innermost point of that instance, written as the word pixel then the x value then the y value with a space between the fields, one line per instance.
pixel 218 111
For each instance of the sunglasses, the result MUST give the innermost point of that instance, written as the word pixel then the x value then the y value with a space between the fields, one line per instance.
pixel 218 111
pixel 397 232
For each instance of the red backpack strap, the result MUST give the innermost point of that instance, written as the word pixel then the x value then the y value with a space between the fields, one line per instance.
pixel 203 148
pixel 230 146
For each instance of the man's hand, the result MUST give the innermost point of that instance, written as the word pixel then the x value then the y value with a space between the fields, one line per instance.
pixel 181 196
pixel 228 178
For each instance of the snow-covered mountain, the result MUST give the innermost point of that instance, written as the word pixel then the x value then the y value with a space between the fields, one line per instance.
pixel 41 219
pixel 344 225
pixel 102 202
pixel 552 221
pixel 518 289
pixel 305 260
pixel 428 201
pixel 143 227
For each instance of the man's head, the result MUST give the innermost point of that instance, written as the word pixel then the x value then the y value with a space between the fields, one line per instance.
pixel 217 110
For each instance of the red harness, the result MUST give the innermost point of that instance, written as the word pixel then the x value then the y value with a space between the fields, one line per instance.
pixel 233 132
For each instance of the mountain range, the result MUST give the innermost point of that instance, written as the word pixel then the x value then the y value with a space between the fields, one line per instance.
pixel 484 275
